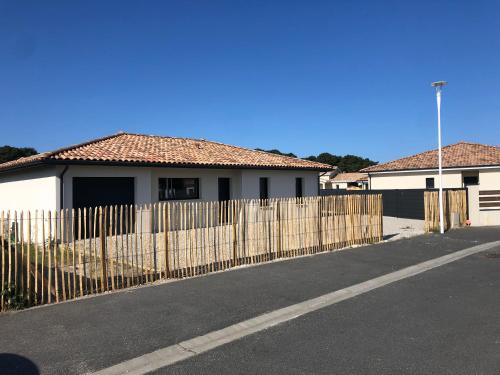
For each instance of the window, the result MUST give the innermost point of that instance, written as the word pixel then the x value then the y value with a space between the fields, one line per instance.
pixel 178 188
pixel 298 187
pixel 338 187
pixel 429 183
pixel 471 180
pixel 263 188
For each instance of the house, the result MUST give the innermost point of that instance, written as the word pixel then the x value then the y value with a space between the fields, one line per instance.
pixel 465 164
pixel 350 181
pixel 325 178
pixel 140 169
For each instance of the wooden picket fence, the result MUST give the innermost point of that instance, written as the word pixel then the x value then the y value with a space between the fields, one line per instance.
pixel 49 256
pixel 454 202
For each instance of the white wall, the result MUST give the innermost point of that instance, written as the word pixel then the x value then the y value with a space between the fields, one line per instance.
pixel 244 183
pixel 209 185
pixel 30 189
pixel 281 183
pixel 414 180
pixel 489 179
pixel 482 216
pixel 38 188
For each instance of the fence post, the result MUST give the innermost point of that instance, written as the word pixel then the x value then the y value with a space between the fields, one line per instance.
pixel 28 263
pixel 320 224
pixel 2 236
pixel 235 243
pixel 278 219
pixel 102 234
pixel 166 218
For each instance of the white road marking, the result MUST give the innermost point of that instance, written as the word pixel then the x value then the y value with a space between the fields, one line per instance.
pixel 189 348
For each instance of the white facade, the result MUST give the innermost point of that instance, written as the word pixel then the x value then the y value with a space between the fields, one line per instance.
pixel 413 180
pixel 325 178
pixel 38 188
pixel 29 189
pixel 488 179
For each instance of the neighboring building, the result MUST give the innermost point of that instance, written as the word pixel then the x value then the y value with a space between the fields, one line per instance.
pixel 350 181
pixel 140 169
pixel 465 164
pixel 325 178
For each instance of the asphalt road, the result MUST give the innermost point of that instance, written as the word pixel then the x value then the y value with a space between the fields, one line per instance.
pixel 442 320
pixel 445 321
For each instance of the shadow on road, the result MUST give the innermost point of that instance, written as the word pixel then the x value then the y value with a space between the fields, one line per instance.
pixel 15 364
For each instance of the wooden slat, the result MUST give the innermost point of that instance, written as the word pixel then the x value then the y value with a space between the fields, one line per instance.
pixel 28 261
pixel 16 239
pixel 44 254
pixel 37 301
pixel 491 204
pixel 2 248
pixel 489 192
pixel 489 199
pixel 22 260
pixel 78 220
pixel 62 249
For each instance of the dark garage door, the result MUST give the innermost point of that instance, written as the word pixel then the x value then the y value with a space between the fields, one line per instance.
pixel 102 191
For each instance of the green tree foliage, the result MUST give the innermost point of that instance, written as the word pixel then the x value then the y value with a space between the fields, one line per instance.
pixel 8 153
pixel 277 152
pixel 347 163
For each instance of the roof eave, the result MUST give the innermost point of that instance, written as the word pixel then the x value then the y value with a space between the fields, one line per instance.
pixel 433 168
pixel 155 165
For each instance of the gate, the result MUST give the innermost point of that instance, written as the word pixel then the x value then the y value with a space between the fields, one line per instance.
pixel 401 203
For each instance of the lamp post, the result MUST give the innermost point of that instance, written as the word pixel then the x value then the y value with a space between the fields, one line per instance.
pixel 438 85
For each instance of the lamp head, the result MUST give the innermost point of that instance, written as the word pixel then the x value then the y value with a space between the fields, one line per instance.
pixel 439 84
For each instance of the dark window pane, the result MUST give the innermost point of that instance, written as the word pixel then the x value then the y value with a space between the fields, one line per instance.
pixel 264 194
pixel 471 180
pixel 429 183
pixel 298 187
pixel 178 188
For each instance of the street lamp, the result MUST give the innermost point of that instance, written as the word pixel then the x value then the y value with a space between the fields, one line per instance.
pixel 438 85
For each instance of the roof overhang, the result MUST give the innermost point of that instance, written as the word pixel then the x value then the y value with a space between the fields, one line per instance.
pixel 419 170
pixel 55 162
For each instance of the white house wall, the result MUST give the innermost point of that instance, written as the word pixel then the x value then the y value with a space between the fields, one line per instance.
pixel 29 189
pixel 414 180
pixel 244 183
pixel 489 179
pixel 209 185
pixel 281 183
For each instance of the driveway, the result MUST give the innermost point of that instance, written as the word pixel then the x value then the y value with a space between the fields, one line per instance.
pixel 416 325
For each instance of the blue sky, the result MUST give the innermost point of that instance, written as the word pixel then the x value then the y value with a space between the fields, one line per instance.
pixel 302 76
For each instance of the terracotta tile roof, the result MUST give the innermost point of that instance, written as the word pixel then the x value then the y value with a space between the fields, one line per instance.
pixel 136 149
pixel 350 177
pixel 462 154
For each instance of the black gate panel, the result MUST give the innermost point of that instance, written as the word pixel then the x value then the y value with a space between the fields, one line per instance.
pixel 102 191
pixel 91 192
pixel 403 203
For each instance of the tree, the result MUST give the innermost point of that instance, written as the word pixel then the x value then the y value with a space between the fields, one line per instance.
pixel 8 153
pixel 277 152
pixel 353 163
pixel 347 163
